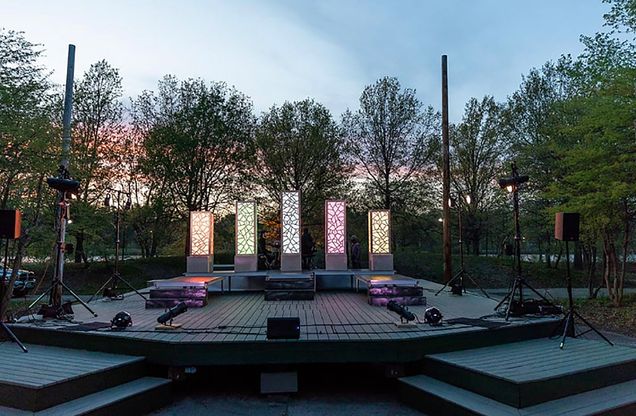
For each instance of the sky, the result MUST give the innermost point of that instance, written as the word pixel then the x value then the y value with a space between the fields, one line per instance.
pixel 328 50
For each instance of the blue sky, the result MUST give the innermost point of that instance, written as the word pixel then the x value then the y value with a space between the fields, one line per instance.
pixel 329 50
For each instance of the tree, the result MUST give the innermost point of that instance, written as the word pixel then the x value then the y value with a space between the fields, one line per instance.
pixel 97 126
pixel 392 138
pixel 299 147
pixel 477 158
pixel 26 141
pixel 197 139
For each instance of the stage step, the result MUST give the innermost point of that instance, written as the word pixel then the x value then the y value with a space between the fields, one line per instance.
pixel 523 374
pixel 129 399
pixel 435 397
pixel 170 302
pixel 48 376
pixel 271 295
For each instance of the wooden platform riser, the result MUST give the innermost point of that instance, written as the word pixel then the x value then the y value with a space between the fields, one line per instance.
pixel 34 399
pixel 528 394
pixel 281 285
pixel 169 303
pixel 289 295
pixel 402 300
pixel 140 404
pixel 395 291
pixel 179 293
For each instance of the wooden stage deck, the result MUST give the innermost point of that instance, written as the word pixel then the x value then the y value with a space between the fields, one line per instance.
pixel 335 327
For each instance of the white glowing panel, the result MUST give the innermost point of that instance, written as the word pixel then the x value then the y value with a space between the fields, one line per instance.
pixel 290 221
pixel 245 228
pixel 379 232
pixel 201 233
pixel 335 226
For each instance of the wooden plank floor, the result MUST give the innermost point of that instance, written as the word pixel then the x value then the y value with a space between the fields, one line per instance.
pixel 331 316
pixel 528 361
pixel 43 365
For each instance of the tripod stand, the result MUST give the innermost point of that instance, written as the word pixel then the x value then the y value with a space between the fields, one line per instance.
pixel 116 277
pixel 568 320
pixel 512 184
pixel 459 276
pixel 3 289
pixel 57 287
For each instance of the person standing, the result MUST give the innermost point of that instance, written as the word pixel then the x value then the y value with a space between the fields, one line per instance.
pixel 308 248
pixel 355 252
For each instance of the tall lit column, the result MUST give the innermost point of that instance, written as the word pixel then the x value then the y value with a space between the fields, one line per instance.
pixel 245 257
pixel 201 256
pixel 380 257
pixel 290 232
pixel 335 235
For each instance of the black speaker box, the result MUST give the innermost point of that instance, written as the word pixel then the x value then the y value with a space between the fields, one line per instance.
pixel 566 226
pixel 10 223
pixel 283 328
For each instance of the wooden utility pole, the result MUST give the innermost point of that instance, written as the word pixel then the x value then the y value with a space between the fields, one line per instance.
pixel 448 267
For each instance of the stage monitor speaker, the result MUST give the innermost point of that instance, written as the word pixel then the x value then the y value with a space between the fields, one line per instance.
pixel 566 226
pixel 283 328
pixel 10 223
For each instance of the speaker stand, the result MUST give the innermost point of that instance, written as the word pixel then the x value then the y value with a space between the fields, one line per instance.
pixel 3 326
pixel 569 327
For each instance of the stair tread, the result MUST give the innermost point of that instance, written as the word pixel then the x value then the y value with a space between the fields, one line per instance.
pixel 44 366
pixel 105 397
pixel 587 403
pixel 534 360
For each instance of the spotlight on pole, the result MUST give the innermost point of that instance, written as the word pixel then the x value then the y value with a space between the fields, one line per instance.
pixel 512 182
pixel 64 185
pixel 406 316
pixel 165 319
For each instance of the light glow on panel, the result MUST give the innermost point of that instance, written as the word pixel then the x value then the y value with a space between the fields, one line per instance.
pixel 335 226
pixel 379 232
pixel 290 221
pixel 201 233
pixel 245 228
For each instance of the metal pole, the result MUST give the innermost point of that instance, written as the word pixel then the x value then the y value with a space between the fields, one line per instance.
pixel 448 269
pixel 68 107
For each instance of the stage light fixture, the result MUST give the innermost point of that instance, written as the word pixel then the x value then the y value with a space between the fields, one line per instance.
pixel 511 182
pixel 468 200
pixel 64 185
pixel 122 320
pixel 405 314
pixel 107 200
pixel 172 313
pixel 433 316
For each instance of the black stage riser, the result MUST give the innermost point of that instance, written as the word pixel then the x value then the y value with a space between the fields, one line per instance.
pixel 289 295
pixel 299 285
pixel 169 303
pixel 396 291
pixel 201 293
pixel 402 300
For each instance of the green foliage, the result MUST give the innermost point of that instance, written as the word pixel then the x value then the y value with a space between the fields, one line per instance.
pixel 196 141
pixel 392 139
pixel 299 147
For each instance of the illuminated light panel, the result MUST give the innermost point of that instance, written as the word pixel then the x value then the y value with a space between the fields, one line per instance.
pixel 379 232
pixel 245 228
pixel 201 233
pixel 290 220
pixel 335 226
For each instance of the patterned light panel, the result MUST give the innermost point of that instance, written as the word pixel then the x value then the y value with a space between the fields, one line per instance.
pixel 335 222
pixel 201 233
pixel 290 234
pixel 379 232
pixel 245 228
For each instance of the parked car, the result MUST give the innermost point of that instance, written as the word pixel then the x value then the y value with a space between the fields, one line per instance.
pixel 24 283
